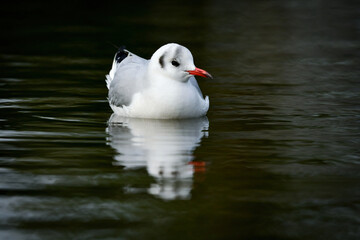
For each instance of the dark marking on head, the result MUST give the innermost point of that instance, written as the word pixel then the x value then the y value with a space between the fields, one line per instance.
pixel 161 61
pixel 177 52
pixel 121 54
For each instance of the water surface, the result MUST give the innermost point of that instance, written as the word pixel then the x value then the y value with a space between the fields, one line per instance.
pixel 276 158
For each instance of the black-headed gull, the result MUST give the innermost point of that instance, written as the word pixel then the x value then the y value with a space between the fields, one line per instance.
pixel 163 87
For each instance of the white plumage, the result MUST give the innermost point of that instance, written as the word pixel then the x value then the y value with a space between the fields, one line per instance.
pixel 163 87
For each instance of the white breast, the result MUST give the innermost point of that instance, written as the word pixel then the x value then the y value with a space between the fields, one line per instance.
pixel 166 100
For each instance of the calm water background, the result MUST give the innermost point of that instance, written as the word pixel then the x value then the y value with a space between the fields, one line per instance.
pixel 276 158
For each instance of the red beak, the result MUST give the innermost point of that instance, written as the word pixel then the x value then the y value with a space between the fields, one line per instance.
pixel 199 72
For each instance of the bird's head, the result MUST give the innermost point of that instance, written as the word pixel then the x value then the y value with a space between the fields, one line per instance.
pixel 176 62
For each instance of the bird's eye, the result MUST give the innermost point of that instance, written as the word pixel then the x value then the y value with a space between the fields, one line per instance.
pixel 175 63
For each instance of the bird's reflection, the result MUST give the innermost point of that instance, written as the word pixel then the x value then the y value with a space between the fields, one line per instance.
pixel 164 147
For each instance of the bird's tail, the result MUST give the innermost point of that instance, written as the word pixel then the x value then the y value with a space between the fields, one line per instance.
pixel 120 55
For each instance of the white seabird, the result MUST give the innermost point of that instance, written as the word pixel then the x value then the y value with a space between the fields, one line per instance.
pixel 163 87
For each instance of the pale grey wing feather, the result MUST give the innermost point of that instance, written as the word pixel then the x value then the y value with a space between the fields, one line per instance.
pixel 128 78
pixel 196 85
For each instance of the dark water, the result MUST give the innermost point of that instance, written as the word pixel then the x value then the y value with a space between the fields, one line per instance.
pixel 276 158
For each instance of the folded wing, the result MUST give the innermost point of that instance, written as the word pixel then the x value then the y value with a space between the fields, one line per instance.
pixel 126 77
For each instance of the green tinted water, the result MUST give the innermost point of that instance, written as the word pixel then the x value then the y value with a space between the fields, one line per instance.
pixel 276 158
